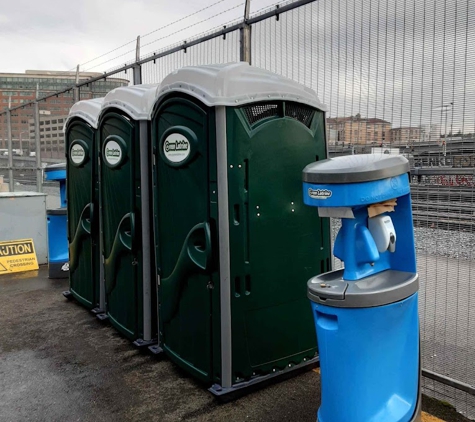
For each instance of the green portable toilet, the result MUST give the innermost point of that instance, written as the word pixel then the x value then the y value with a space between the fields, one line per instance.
pixel 82 190
pixel 235 244
pixel 124 145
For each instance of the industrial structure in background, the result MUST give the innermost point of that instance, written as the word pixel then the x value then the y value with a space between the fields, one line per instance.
pixel 23 88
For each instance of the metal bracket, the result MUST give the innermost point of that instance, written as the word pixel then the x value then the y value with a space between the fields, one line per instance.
pixel 244 386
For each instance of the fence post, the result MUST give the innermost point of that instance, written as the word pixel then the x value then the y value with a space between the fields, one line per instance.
pixel 39 170
pixel 76 89
pixel 11 184
pixel 245 35
pixel 137 69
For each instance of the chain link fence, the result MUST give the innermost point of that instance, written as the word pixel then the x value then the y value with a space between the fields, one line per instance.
pixel 397 77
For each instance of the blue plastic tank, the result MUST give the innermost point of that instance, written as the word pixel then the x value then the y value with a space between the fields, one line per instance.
pixel 58 172
pixel 58 254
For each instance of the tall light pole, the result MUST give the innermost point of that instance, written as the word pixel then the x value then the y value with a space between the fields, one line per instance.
pixel 21 144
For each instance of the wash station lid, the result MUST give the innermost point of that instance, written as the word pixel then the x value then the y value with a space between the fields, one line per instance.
pixel 355 169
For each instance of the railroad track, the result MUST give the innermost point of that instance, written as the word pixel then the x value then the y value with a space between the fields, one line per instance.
pixel 443 207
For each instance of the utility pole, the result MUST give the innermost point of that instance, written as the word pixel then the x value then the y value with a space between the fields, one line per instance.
pixel 11 184
pixel 137 69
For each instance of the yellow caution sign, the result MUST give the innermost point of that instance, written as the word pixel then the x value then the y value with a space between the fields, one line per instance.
pixel 17 255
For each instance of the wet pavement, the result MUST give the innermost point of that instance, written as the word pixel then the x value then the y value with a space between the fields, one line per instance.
pixel 59 363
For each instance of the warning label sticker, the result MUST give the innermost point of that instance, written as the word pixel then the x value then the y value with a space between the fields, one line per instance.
pixel 17 255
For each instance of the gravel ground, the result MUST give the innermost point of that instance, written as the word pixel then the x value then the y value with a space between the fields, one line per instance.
pixel 447 243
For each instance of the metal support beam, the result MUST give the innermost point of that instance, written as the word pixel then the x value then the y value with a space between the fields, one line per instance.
pixel 137 69
pixel 76 88
pixel 147 233
pixel 11 184
pixel 245 35
pixel 467 388
pixel 224 257
pixel 39 170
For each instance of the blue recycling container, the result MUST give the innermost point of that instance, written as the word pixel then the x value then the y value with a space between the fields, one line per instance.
pixel 366 315
pixel 58 255
pixel 58 172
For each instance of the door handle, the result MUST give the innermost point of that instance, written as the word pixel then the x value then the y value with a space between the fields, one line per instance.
pixel 83 230
pixel 124 242
pixel 195 256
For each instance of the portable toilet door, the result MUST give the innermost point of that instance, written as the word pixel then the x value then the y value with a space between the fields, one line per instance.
pixel 82 190
pixel 125 210
pixel 235 243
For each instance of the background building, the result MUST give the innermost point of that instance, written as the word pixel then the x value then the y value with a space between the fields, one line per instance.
pixel 20 88
pixel 405 136
pixel 356 130
pixel 51 135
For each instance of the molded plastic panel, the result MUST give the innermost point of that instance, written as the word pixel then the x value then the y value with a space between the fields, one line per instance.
pixel 185 251
pixel 277 243
pixel 120 206
pixel 82 184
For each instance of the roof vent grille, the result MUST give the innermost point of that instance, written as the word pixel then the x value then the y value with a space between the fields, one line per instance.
pixel 258 112
pixel 300 112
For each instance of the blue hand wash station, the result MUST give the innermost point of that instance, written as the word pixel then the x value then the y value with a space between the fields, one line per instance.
pixel 366 315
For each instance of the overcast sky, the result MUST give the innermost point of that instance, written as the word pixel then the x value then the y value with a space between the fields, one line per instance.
pixel 397 60
pixel 59 34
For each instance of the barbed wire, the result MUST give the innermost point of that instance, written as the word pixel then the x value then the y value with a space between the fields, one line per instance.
pixel 169 35
pixel 152 32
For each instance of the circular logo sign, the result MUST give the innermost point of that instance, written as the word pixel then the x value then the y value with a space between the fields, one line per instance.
pixel 77 154
pixel 113 153
pixel 176 148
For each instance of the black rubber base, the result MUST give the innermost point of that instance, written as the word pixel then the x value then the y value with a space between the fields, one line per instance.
pixel 97 311
pixel 58 270
pixel 68 295
pixel 142 344
pixel 102 317
pixel 155 349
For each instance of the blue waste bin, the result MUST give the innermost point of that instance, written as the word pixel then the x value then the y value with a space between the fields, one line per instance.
pixel 57 172
pixel 58 256
pixel 366 315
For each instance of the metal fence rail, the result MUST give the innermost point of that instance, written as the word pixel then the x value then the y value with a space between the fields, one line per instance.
pixel 398 77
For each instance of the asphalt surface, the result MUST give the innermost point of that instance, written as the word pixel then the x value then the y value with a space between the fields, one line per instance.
pixel 59 363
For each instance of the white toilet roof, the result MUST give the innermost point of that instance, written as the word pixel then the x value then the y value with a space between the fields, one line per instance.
pixel 231 84
pixel 88 110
